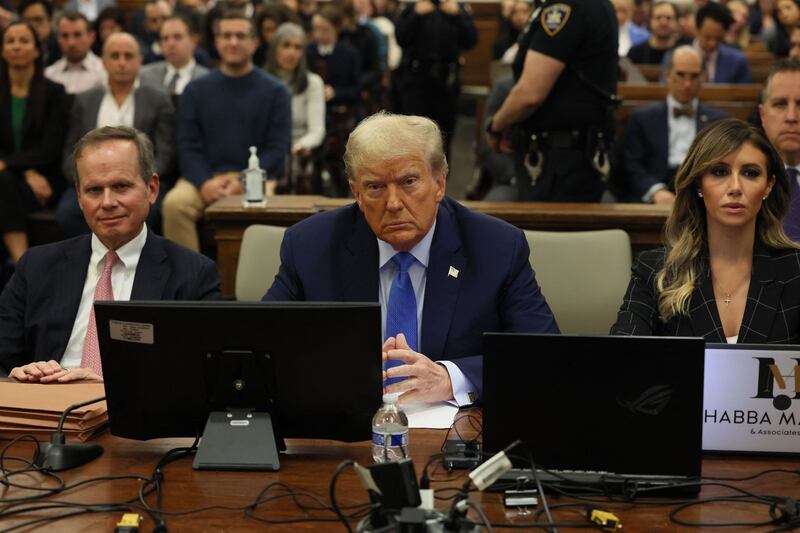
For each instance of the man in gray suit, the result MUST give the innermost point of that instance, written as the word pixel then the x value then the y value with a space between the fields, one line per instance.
pixel 122 101
pixel 179 66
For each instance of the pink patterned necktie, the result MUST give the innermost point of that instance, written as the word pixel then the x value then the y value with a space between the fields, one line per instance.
pixel 102 292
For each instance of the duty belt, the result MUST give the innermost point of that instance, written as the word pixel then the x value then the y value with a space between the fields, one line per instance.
pixel 563 139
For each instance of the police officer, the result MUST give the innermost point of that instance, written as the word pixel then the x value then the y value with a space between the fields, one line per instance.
pixel 432 35
pixel 558 118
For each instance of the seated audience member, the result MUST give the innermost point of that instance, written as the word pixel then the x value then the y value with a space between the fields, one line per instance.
pixel 79 69
pixel 431 263
pixel 32 124
pixel 110 20
pixel 762 21
pixel 39 14
pixel 367 39
pixel 780 118
pixel 505 47
pixel 286 60
pixel 267 21
pixel 120 102
pixel 221 115
pixel 663 35
pixel 686 21
pixel 738 34
pixel 179 66
pixel 722 63
pixel 629 34
pixel 306 9
pixel 47 327
pixel 658 136
pixel 88 8
pixel 155 13
pixel 366 12
pixel 728 271
pixel 337 63
pixel 787 15
pixel 794 43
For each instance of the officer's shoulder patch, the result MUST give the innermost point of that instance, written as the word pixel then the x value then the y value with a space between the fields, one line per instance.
pixel 555 17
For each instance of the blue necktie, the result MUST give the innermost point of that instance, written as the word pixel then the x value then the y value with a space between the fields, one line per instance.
pixel 401 311
pixel 791 223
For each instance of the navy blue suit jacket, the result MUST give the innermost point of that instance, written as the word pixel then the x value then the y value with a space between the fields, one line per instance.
pixel 647 144
pixel 732 66
pixel 333 256
pixel 39 304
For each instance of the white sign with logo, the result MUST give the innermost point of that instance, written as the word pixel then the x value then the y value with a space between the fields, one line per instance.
pixel 751 398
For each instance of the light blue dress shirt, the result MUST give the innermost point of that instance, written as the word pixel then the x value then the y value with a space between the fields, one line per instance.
pixel 462 387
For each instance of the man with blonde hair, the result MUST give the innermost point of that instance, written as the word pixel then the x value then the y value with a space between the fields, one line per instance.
pixel 442 273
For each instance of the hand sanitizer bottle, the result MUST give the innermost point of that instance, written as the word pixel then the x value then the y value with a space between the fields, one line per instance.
pixel 253 182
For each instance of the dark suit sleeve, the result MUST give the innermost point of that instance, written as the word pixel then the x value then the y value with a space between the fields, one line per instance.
pixel 46 151
pixel 522 309
pixel 164 136
pixel 638 158
pixel 639 311
pixel 743 72
pixel 12 320
pixel 286 286
pixel 207 282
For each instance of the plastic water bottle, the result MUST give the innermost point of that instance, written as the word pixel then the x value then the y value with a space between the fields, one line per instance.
pixel 389 431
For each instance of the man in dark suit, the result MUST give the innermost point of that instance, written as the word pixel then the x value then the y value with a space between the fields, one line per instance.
pixel 658 136
pixel 179 66
pixel 47 329
pixel 722 63
pixel 120 102
pixel 780 117
pixel 443 274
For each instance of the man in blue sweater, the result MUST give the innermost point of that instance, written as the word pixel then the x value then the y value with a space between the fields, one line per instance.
pixel 220 116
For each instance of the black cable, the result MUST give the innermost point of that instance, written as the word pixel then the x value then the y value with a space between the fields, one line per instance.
pixel 480 512
pixel 332 493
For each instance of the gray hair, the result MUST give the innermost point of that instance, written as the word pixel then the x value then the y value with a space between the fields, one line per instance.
pixel 684 49
pixel 298 82
pixel 385 136
pixel 147 161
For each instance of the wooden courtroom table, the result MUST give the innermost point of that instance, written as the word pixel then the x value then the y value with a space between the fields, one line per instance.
pixel 309 467
pixel 229 219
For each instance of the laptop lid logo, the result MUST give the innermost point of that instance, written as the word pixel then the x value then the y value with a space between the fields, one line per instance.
pixel 770 375
pixel 651 402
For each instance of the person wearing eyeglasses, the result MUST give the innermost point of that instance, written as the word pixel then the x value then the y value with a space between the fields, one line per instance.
pixel 220 116
pixel 657 137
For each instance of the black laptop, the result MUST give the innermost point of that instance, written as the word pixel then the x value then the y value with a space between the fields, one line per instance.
pixel 620 412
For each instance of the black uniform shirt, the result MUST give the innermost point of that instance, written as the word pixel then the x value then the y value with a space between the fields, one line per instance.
pixel 583 35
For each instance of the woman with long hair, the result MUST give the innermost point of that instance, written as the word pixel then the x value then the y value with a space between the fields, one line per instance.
pixel 286 59
pixel 786 15
pixel 728 272
pixel 32 126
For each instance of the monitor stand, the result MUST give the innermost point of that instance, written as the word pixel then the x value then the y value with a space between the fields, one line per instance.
pixel 237 439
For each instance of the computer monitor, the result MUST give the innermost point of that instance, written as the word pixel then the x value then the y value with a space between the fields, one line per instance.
pixel 243 375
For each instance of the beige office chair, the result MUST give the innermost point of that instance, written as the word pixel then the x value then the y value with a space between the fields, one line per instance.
pixel 583 275
pixel 259 260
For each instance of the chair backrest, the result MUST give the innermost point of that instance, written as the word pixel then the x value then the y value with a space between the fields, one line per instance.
pixel 583 275
pixel 259 260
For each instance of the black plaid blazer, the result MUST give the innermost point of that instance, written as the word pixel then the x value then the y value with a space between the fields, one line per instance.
pixel 771 315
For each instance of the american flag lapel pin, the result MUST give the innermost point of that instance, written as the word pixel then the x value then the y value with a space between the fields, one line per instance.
pixel 453 272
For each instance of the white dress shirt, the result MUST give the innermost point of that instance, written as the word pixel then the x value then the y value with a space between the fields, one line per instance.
pixel 122 276
pixel 184 76
pixel 681 132
pixel 77 77
pixel 462 387
pixel 624 42
pixel 111 114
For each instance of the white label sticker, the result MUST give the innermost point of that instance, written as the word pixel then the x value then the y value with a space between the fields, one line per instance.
pixel 131 331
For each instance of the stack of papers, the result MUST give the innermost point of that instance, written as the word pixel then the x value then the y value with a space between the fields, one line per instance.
pixel 35 409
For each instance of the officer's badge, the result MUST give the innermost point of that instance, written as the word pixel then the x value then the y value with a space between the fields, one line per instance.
pixel 555 17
